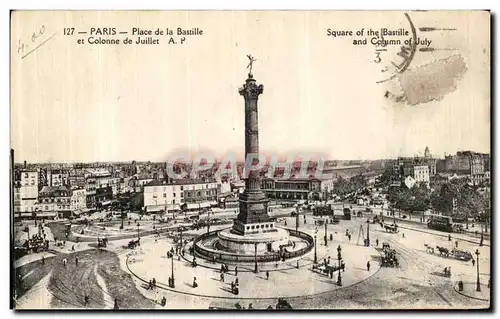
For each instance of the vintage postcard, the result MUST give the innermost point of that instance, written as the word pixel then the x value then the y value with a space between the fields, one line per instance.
pixel 250 160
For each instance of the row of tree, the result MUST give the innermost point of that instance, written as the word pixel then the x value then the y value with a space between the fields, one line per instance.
pixel 454 198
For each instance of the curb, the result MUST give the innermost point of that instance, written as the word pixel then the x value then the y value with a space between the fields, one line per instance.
pixel 423 231
pixel 471 297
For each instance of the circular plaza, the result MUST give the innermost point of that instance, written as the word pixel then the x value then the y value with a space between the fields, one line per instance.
pixel 291 277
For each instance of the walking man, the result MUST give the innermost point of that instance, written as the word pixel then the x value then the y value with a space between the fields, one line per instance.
pixel 76 260
pixel 376 241
pixel 65 261
pixel 236 271
pixel 86 300
pixel 473 262
pixel 267 274
pixel 368 265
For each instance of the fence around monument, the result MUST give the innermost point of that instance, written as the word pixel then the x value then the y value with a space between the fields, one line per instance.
pixel 234 257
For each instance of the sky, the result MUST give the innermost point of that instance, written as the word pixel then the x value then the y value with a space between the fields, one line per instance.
pixel 75 102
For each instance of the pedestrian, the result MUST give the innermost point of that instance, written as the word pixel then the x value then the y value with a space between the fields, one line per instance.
pixel 267 274
pixel 449 237
pixel 86 300
pixel 376 241
pixel 250 306
pixel 236 281
pixel 73 248
pixel 221 268
pixel 328 260
pixel 150 286
pixel 65 261
pixel 115 307
pixel 236 271
pixel 154 282
pixel 403 235
pixel 368 265
pixel 76 260
pixel 195 284
pixel 349 237
pixel 43 260
pixel 473 262
pixel 222 277
pixel 456 243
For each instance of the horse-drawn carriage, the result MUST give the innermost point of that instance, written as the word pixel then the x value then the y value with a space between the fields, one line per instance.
pixel 461 254
pixel 133 243
pixel 389 259
pixel 454 253
pixel 392 228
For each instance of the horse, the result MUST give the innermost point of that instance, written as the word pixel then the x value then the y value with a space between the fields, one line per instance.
pixel 429 249
pixel 443 251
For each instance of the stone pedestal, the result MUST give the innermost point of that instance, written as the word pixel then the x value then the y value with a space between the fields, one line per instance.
pixel 266 242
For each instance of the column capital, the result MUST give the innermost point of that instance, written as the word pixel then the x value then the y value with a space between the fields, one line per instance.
pixel 251 90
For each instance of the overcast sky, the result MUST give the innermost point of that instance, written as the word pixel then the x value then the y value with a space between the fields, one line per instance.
pixel 83 102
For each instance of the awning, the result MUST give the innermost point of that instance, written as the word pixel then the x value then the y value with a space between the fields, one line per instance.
pixel 154 208
pixel 193 206
pixel 205 205
pixel 173 207
pixel 213 203
pixel 47 214
pixel 108 202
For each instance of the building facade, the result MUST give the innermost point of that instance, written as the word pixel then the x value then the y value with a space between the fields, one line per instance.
pixel 56 200
pixel 164 195
pixel 25 191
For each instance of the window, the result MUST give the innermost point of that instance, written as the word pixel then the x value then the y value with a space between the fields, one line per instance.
pixel 248 227
pixel 164 195
pixel 174 194
pixel 258 226
pixel 253 227
pixel 182 188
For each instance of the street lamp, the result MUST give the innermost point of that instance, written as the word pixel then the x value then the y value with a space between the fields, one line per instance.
pixel 326 238
pixel 478 284
pixel 255 269
pixel 368 232
pixel 171 284
pixel 208 227
pixel 297 220
pixel 315 254
pixel 339 256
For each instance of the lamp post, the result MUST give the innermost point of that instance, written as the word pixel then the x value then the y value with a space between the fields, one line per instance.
pixel 255 269
pixel 208 222
pixel 478 284
pixel 138 237
pixel 368 232
pixel 297 220
pixel 339 256
pixel 172 280
pixel 315 253
pixel 326 236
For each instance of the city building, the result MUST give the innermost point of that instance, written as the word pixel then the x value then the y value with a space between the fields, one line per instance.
pixel 54 201
pixel 78 200
pixel 25 191
pixel 297 188
pixel 163 195
pixel 57 177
